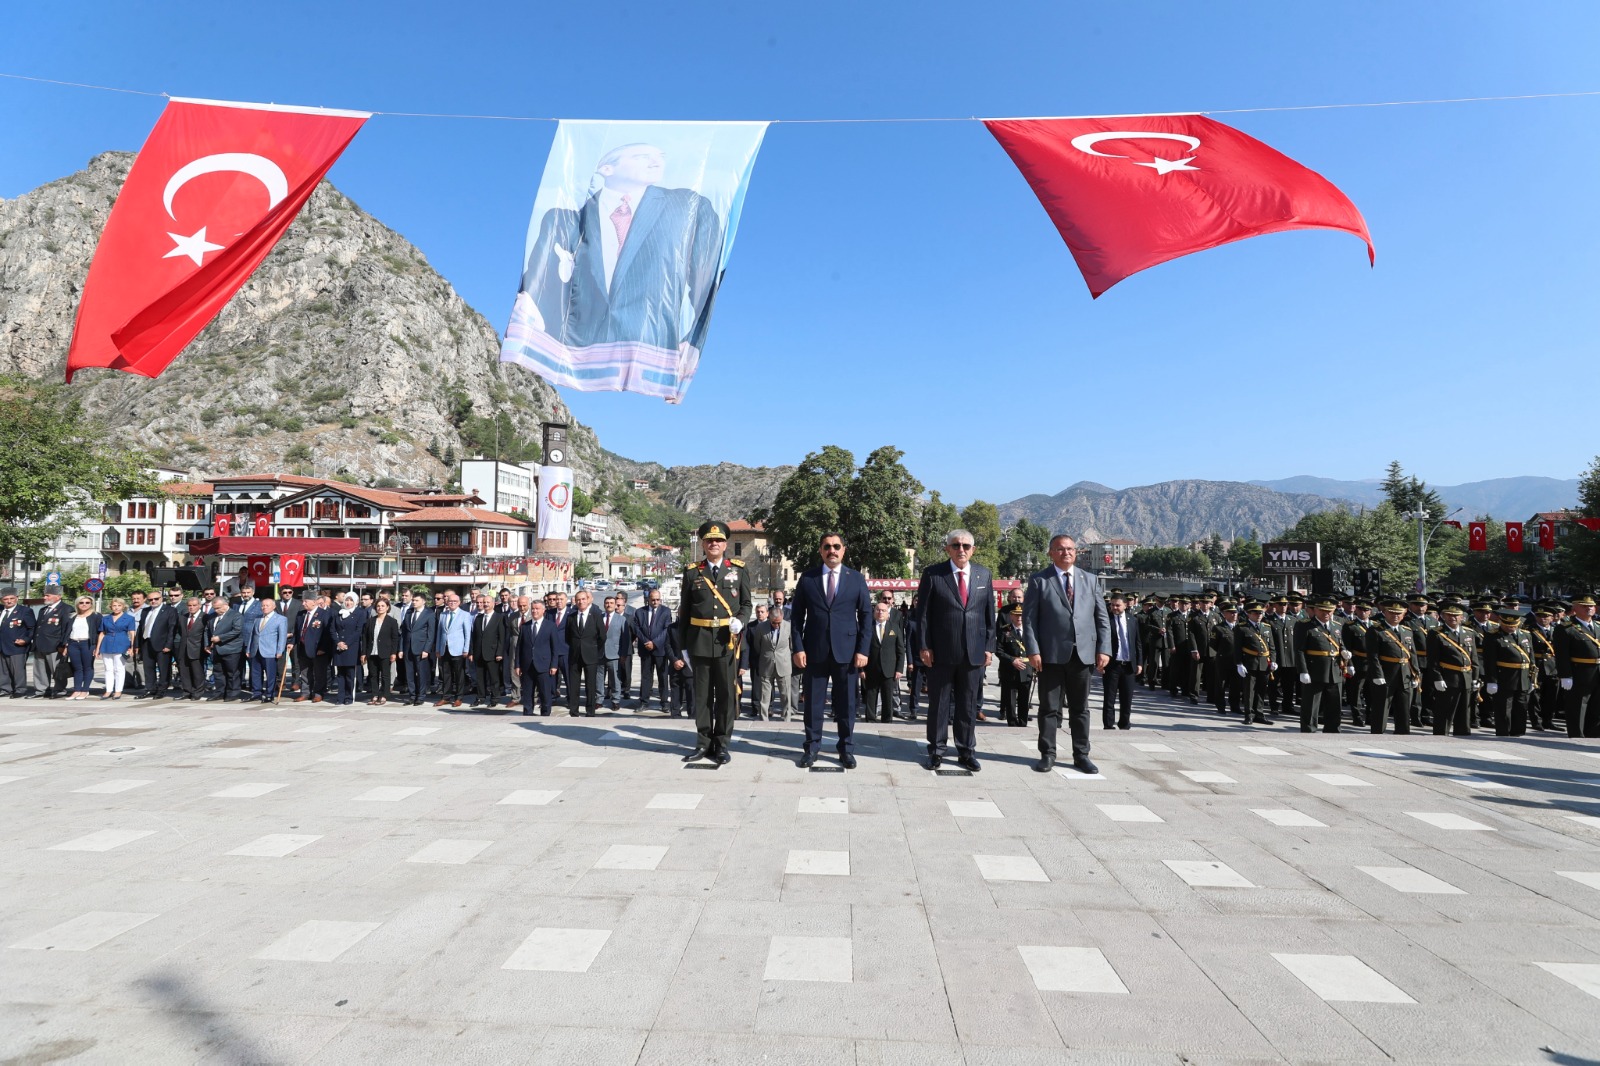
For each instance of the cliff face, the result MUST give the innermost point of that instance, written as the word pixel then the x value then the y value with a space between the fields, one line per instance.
pixel 345 354
pixel 1171 512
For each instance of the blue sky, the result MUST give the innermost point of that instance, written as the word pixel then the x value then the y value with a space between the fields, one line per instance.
pixel 900 284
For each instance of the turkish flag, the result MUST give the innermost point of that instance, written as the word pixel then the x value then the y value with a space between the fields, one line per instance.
pixel 1452 524
pixel 1547 534
pixel 292 569
pixel 210 193
pixel 263 525
pixel 1513 536
pixel 1591 524
pixel 1128 192
pixel 1477 536
pixel 260 567
pixel 219 526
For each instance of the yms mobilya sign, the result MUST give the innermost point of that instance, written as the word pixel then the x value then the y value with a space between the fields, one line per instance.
pixel 1291 558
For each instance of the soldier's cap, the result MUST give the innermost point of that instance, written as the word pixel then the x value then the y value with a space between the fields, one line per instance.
pixel 1254 607
pixel 1363 605
pixel 1516 600
pixel 1280 599
pixel 1393 603
pixel 1509 614
pixel 1419 600
pixel 1545 609
pixel 1324 603
pixel 1294 597
pixel 1230 608
pixel 1584 600
pixel 1482 605
pixel 712 531
pixel 1451 608
pixel 1015 608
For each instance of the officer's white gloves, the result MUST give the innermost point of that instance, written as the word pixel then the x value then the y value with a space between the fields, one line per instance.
pixel 1345 655
pixel 1491 688
pixel 1272 666
pixel 735 626
pixel 1566 684
pixel 1242 671
pixel 1439 685
pixel 1380 680
pixel 1305 679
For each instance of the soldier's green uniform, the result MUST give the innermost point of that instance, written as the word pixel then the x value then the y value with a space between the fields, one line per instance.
pixel 1391 675
pixel 713 596
pixel 1354 632
pixel 1508 665
pixel 1420 622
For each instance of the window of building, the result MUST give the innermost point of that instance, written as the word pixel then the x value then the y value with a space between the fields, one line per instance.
pixel 297 510
pixel 325 511
pixel 738 549
pixel 357 510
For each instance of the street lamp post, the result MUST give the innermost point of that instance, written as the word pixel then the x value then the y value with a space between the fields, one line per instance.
pixel 1421 516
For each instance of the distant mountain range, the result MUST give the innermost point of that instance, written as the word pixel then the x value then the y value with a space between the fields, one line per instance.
pixel 1181 512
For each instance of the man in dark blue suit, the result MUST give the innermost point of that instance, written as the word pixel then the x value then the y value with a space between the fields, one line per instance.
pixel 419 634
pixel 652 628
pixel 956 635
pixel 831 629
pixel 537 659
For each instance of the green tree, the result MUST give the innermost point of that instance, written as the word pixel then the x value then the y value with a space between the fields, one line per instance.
pixel 982 520
pixel 60 466
pixel 1024 548
pixel 1409 493
pixel 582 502
pixel 1169 561
pixel 71 583
pixel 126 585
pixel 938 518
pixel 1496 567
pixel 1245 555
pixel 879 516
pixel 808 503
pixel 1215 551
pixel 1577 558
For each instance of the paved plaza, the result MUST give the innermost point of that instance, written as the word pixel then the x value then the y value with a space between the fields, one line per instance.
pixel 191 882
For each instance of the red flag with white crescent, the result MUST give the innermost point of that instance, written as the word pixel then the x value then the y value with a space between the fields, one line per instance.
pixel 1128 192
pixel 260 567
pixel 262 526
pixel 212 190
pixel 1547 534
pixel 1477 536
pixel 219 526
pixel 1513 536
pixel 292 570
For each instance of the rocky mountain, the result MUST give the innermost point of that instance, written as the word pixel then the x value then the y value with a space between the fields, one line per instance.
pixel 345 354
pixel 725 491
pixel 1503 497
pixel 1171 512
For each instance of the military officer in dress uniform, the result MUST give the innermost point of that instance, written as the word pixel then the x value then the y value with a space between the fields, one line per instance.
pixel 1202 620
pixel 1419 621
pixel 1255 657
pixel 1508 673
pixel 1016 676
pixel 713 609
pixel 1356 624
pixel 1578 665
pixel 1546 683
pixel 1283 637
pixel 1390 674
pixel 1319 658
pixel 1454 666
pixel 1179 657
pixel 1153 631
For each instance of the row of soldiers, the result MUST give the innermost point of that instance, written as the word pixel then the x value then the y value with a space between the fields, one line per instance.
pixel 1419 663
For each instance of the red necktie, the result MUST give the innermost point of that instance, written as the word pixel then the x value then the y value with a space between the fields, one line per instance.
pixel 832 575
pixel 961 587
pixel 621 219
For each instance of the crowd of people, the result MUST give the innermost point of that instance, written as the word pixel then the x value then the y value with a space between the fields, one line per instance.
pixel 834 652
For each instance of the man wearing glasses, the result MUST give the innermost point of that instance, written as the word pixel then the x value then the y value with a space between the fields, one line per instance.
pixel 956 627
pixel 830 626
pixel 1067 630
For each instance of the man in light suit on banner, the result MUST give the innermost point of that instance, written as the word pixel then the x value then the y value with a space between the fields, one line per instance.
pixel 1067 631
pixel 956 627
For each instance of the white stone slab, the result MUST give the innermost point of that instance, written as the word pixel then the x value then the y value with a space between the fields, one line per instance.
pixel 1289 818
pixel 464 759
pixel 563 950
pixel 1490 753
pixel 631 857
pixel 1129 812
pixel 1207 873
pixel 1262 749
pixel 1071 970
pixel 1584 976
pixel 1583 877
pixel 386 794
pixel 317 941
pixel 822 805
pixel 1141 747
pixel 275 845
pixel 347 756
pixel 819 863
pixel 532 797
pixel 8 780
pixel 29 722
pixel 1342 979
pixel 110 787
pixel 251 790
pixel 1478 782
pixel 1381 753
pixel 973 809
pixel 674 801
pixel 582 762
pixel 320 727
pixel 85 932
pixel 1208 777
pixel 132 723
pixel 233 753
pixel 416 731
pixel 8 749
pixel 1341 780
pixel 1072 774
pixel 1449 821
pixel 221 727
pixel 104 840
pixel 1010 868
pixel 809 958
pixel 1409 879
pixel 451 852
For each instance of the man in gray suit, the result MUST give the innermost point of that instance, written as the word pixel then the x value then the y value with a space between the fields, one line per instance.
pixel 771 665
pixel 1068 635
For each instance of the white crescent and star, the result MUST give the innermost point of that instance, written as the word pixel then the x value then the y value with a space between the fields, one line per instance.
pixel 259 167
pixel 1086 142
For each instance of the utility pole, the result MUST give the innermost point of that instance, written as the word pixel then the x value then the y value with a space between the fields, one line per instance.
pixel 1421 516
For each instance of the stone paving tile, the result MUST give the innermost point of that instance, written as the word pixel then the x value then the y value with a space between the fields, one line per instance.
pixel 688 879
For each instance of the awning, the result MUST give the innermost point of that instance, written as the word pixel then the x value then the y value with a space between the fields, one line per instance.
pixel 210 546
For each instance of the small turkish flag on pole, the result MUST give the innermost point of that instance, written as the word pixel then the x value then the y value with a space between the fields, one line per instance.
pixel 1513 536
pixel 1128 192
pixel 292 569
pixel 260 567
pixel 1547 534
pixel 214 187
pixel 1477 536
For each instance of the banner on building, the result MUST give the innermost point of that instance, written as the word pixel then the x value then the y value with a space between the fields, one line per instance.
pixel 1291 557
pixel 632 226
pixel 555 503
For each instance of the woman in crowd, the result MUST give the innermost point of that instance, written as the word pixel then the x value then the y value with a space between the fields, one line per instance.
pixel 83 643
pixel 116 640
pixel 380 642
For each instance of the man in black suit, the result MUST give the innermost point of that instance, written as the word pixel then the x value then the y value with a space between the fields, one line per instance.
pixel 418 635
pixel 1126 663
pixel 830 632
pixel 192 642
pixel 586 652
pixel 312 649
pixel 489 639
pixel 956 628
pixel 886 665
pixel 51 668
pixel 652 626
pixel 536 659
pixel 157 632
